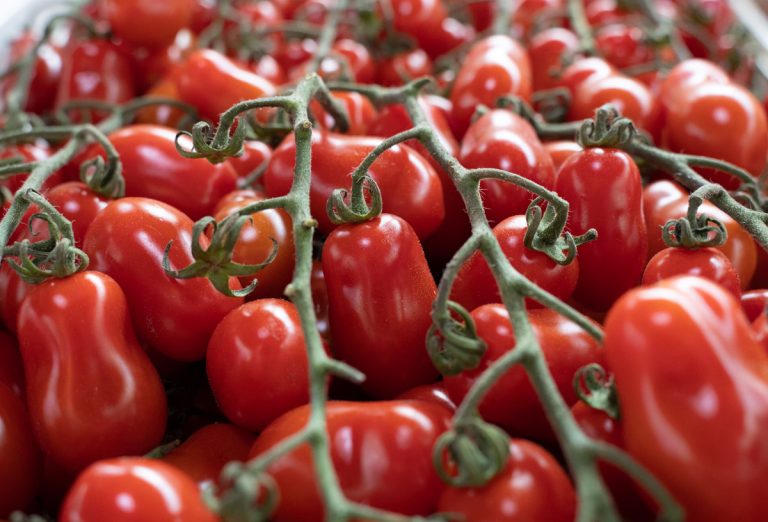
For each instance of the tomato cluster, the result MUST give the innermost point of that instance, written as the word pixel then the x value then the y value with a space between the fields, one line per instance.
pixel 282 310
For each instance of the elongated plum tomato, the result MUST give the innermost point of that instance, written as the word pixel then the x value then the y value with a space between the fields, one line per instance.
pixel 146 22
pixel 380 316
pixel 709 263
pixel 546 52
pixel 134 490
pixel 258 351
pixel 174 316
pixel 381 451
pixel 89 383
pixel 409 186
pixel 512 402
pixel 693 388
pixel 11 368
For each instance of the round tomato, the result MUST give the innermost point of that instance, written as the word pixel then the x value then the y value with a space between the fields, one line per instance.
pixel 709 263
pixel 403 67
pixel 144 22
pixel 547 51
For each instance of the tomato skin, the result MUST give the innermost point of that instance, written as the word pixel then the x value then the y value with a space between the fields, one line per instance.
pixel 134 490
pixel 547 50
pixel 158 23
pixel 512 402
pixel 212 82
pixel 475 286
pixel 11 368
pixel 28 152
pixel 45 74
pixel 403 67
pixel 613 263
pixel 360 112
pixel 689 74
pixel 560 151
pixel 623 45
pixel 503 140
pixel 754 303
pixel 531 487
pixel 693 388
pixel 709 263
pixel 380 330
pixel 203 455
pixel 320 299
pixel 433 393
pixel 495 66
pixel 20 458
pixel 255 154
pixel 78 345
pixel 397 435
pixel 585 69
pixel 258 350
pixel 126 241
pixel 13 291
pixel 410 188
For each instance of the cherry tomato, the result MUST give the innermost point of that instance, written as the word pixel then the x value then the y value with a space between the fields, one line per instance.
pixel 134 490
pixel 360 112
pixel 447 36
pixel 433 393
pixel 687 75
pixel 27 152
pixel 394 437
pixel 403 67
pixel 174 316
pixel 258 350
pixel 89 383
pixel 144 22
pixel 203 455
pixel 380 330
pixel 754 303
pixel 420 19
pixel 11 369
pixel 623 45
pixel 320 299
pixel 692 382
pixel 532 486
pixel 163 115
pixel 475 285
pixel 760 327
pixel 547 51
pixel 708 263
pixel 13 291
pixel 560 151
pixel 608 266
pixel 46 73
pixel 585 69
pixel 256 154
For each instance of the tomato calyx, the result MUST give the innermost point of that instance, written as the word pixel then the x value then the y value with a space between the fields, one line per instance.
pixel 703 231
pixel 215 147
pixel 474 452
pixel 250 493
pixel 454 346
pixel 546 232
pixel 595 387
pixel 357 210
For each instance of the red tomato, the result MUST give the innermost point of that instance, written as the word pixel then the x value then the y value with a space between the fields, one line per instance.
pixel 89 383
pixel 585 69
pixel 27 152
pixel 433 393
pixel 360 112
pixel 512 402
pixel 754 303
pixel 380 330
pixel 320 299
pixel 708 263
pixel 503 140
pixel 475 285
pixel 358 59
pixel 560 151
pixel 495 66
pixel 420 19
pixel 13 291
pixel 144 22
pixel 11 369
pixel 255 154
pixel 409 186
pixel 258 350
pixel 547 50
pixel 163 115
pixel 689 74
pixel 608 266
pixel 445 37
pixel 693 387
pixel 134 490
pixel 623 45
pixel 20 458
pixel 532 486
pixel 203 455
pixel 269 68
pixel 403 67
pixel 760 327
pixel 127 240
pixel 45 74
pixel 382 453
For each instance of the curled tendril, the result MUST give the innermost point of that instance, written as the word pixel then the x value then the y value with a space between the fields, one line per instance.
pixel 471 454
pixel 358 210
pixel 552 104
pixel 205 142
pixel 595 386
pixel 248 496
pixel 607 129
pixel 104 177
pixel 36 265
pixel 705 231
pixel 542 226
pixel 215 263
pixel 454 345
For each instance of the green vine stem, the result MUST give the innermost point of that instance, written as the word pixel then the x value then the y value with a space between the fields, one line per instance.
pixel 664 25
pixel 580 25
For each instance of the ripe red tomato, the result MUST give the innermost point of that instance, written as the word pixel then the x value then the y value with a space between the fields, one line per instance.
pixel 754 303
pixel 585 69
pixel 708 263
pixel 623 45
pixel 692 382
pixel 591 182
pixel 560 151
pixel 27 152
pixel 380 330
pixel 11 369
pixel 258 350
pixel 512 402
pixel 381 451
pixel 434 393
pixel 144 22
pixel 163 115
pixel 203 455
pixel 410 188
pixel 547 50
pixel 134 490
pixel 320 299
pixel 89 383
pixel 532 486
pixel 255 154
pixel 127 240
pixel 475 285
pixel 46 73
pixel 403 67
pixel 360 112
pixel 20 458
pixel 13 290
pixel 420 19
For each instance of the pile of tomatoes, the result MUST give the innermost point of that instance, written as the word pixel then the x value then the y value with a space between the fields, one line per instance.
pixel 129 380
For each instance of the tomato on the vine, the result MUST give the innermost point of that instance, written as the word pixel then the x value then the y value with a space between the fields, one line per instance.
pixel 709 263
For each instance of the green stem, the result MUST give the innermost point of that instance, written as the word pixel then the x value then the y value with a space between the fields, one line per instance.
pixel 581 27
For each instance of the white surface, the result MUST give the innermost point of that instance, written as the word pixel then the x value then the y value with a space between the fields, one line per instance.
pixel 16 15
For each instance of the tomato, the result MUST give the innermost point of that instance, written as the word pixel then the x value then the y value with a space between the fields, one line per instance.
pixel 403 67
pixel 692 382
pixel 13 291
pixel 380 330
pixel 89 383
pixel 174 316
pixel 213 83
pixel 432 393
pixel 601 12
pixel 27 152
pixel 255 244
pixel 512 402
pixel 394 437
pixel 547 51
pixel 320 299
pixel 685 76
pixel 420 19
pixel 256 154
pixel 46 73
pixel 532 486
pixel 258 350
pixel 20 458
pixel 449 35
pixel 358 59
pixel 754 303
pixel 133 490
pixel 760 327
pixel 495 66
pixel 360 112
pixel 585 69
pixel 475 285
pixel 709 263
pixel 95 70
pixel 203 455
pixel 154 65
pixel 613 263
pixel 623 45
pixel 503 140
pixel 410 188
pixel 11 369
pixel 163 115
pixel 560 151
pixel 144 22
pixel 269 68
